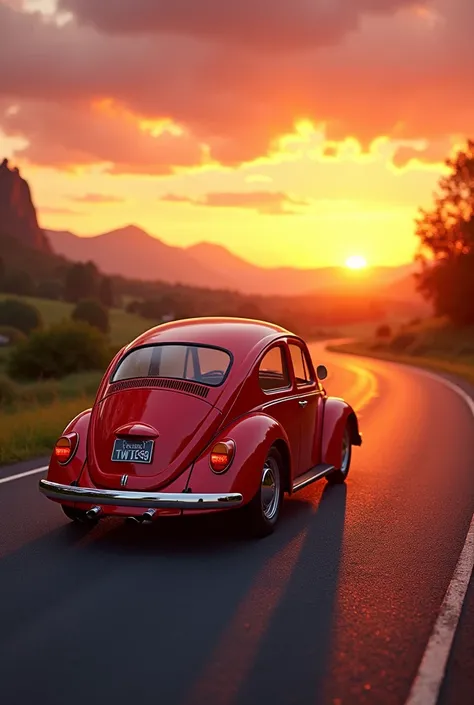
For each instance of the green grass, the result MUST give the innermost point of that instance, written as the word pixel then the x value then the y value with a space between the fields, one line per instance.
pixel 124 326
pixel 37 413
pixel 32 432
pixel 431 344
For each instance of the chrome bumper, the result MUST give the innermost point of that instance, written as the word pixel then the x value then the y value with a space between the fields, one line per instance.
pixel 147 500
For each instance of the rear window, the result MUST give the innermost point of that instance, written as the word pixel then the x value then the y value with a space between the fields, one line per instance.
pixel 191 362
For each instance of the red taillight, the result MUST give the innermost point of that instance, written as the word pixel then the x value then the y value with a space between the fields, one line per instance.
pixel 221 456
pixel 65 448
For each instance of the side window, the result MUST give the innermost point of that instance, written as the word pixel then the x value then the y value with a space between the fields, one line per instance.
pixel 273 371
pixel 300 365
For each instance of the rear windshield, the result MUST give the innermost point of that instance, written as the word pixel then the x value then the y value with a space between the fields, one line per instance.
pixel 192 362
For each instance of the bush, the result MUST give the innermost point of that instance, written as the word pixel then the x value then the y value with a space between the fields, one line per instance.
pixel 14 335
pixel 59 351
pixel 8 391
pixel 383 331
pixel 20 315
pixel 93 313
pixel 402 341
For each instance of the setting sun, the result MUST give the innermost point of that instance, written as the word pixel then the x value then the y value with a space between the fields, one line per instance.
pixel 356 262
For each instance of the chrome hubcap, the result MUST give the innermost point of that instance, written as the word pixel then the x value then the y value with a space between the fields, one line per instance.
pixel 270 488
pixel 346 447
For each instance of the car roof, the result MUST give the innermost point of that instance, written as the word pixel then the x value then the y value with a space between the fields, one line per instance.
pixel 238 335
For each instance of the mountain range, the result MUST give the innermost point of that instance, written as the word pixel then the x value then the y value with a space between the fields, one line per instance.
pixel 133 253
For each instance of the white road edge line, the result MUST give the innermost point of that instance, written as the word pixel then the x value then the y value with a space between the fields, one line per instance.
pixel 429 678
pixel 3 480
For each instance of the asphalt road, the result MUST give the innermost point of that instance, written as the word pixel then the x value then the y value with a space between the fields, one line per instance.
pixel 335 608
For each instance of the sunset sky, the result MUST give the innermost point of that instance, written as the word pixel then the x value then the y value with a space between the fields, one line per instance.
pixel 292 132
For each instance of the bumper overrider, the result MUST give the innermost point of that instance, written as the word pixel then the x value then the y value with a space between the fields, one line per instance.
pixel 146 500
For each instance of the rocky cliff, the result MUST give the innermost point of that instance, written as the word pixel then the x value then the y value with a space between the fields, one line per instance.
pixel 17 211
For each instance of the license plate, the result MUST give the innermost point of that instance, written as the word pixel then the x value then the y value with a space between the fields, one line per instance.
pixel 132 451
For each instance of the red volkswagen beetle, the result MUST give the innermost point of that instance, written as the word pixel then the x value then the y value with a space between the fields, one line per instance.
pixel 203 415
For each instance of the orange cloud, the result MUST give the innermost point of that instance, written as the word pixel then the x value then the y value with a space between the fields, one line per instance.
pixel 53 210
pixel 76 134
pixel 232 76
pixel 264 202
pixel 97 198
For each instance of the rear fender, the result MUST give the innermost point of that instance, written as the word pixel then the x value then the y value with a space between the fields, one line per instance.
pixel 253 436
pixel 337 414
pixel 71 472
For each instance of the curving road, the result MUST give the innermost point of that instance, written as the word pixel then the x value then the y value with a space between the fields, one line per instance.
pixel 337 607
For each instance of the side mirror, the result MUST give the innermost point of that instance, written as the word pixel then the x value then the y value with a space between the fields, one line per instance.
pixel 322 372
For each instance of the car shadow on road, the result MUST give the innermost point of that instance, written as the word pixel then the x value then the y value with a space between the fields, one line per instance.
pixel 184 586
pixel 290 659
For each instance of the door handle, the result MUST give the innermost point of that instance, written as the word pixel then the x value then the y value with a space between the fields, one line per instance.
pixel 303 403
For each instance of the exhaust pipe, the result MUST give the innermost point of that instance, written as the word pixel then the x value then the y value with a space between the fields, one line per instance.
pixel 148 516
pixel 145 518
pixel 93 513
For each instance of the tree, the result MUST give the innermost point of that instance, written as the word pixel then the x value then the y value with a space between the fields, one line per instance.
pixel 106 292
pixel 49 289
pixel 82 281
pixel 446 248
pixel 18 282
pixel 20 315
pixel 93 313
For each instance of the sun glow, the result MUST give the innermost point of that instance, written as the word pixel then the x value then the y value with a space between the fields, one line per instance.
pixel 356 262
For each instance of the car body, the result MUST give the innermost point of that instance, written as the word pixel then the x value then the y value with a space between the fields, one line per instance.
pixel 203 415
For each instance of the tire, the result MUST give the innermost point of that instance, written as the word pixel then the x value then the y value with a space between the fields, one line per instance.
pixel 339 476
pixel 263 512
pixel 77 516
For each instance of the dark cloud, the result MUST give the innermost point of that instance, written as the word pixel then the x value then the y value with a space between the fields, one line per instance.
pixel 262 24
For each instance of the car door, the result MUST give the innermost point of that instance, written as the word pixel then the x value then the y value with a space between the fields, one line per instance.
pixel 309 400
pixel 278 395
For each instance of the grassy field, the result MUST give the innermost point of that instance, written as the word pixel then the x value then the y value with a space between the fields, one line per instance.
pixel 33 415
pixel 124 327
pixel 432 344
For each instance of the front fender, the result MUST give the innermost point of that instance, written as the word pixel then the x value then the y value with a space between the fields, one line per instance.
pixel 253 436
pixel 70 472
pixel 337 414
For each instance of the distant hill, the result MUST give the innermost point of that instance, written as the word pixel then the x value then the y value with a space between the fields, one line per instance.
pixel 17 211
pixel 133 253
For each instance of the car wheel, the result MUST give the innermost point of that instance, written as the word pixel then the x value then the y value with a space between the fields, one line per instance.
pixel 264 509
pixel 76 515
pixel 338 476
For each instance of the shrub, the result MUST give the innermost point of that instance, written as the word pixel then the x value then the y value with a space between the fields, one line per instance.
pixel 8 391
pixel 20 315
pixel 383 331
pixel 402 341
pixel 59 351
pixel 14 335
pixel 93 313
